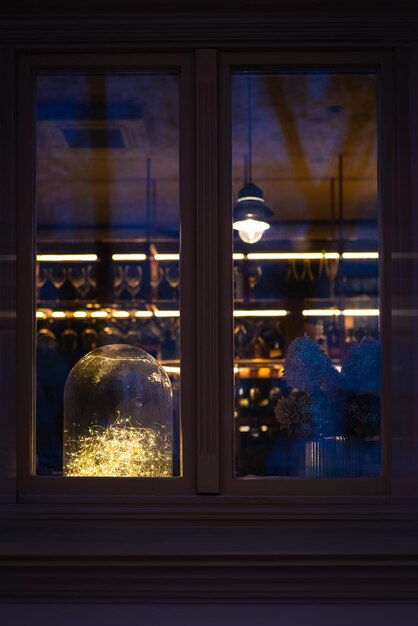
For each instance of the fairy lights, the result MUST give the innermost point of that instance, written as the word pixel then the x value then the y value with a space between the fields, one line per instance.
pixel 121 450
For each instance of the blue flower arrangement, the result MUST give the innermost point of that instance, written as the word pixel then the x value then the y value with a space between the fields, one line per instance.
pixel 324 402
pixel 306 365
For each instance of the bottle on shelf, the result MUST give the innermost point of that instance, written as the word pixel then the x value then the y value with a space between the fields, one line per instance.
pixel 240 341
pixel 257 347
pixel 275 391
pixel 275 342
pixel 333 340
pixel 320 337
pixel 255 395
pixel 350 340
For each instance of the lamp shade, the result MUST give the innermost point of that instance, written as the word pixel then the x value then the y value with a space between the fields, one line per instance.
pixel 250 214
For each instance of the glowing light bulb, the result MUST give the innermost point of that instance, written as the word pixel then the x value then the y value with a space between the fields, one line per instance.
pixel 251 231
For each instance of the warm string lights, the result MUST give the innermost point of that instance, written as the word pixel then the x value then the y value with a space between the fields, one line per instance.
pixel 121 450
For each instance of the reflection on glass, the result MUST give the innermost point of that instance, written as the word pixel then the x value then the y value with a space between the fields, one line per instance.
pixel 306 315
pixel 107 200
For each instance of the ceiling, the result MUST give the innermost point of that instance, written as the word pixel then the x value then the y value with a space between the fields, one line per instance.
pixel 107 150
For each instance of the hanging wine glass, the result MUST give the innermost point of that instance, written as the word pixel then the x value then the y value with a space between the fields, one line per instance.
pixel 58 277
pixel 292 272
pixel 91 279
pixel 307 279
pixel 41 279
pixel 331 266
pixel 321 286
pixel 118 285
pixel 79 281
pixel 41 276
pixel 307 271
pixel 172 276
pixel 156 278
pixel 133 280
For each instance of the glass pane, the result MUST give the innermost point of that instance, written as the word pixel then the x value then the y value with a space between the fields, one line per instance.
pixel 306 275
pixel 107 272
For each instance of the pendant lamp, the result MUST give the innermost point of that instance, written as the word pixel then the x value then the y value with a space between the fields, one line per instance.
pixel 251 215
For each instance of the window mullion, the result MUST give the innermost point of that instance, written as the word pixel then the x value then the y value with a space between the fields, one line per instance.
pixel 207 271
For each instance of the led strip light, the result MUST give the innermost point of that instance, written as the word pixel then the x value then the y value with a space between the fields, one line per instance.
pixel 260 313
pixel 336 312
pixel 122 314
pixel 69 258
pixel 237 256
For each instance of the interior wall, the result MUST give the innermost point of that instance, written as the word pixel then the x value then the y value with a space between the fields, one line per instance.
pixel 205 615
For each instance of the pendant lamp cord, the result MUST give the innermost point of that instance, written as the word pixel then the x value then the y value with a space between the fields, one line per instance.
pixel 148 206
pixel 250 130
pixel 340 202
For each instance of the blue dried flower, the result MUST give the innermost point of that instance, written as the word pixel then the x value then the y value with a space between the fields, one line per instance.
pixel 306 365
pixel 361 366
pixel 293 414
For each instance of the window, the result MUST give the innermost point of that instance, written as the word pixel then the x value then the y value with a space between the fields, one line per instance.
pixel 306 289
pixel 107 214
pixel 126 153
pixel 107 259
pixel 311 279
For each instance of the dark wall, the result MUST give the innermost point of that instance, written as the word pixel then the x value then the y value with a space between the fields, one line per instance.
pixel 208 615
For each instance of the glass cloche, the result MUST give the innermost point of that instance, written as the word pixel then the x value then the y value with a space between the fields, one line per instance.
pixel 118 415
